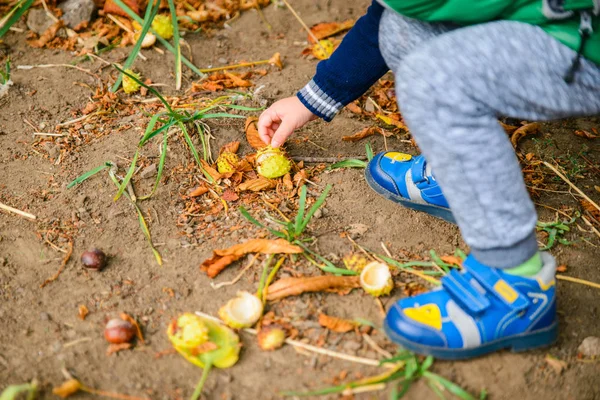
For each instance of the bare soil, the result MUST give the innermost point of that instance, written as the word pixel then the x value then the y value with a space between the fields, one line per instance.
pixel 41 332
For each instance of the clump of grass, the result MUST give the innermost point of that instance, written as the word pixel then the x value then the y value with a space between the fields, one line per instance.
pixel 5 73
pixel 556 231
pixel 13 15
pixel 13 392
pixel 353 162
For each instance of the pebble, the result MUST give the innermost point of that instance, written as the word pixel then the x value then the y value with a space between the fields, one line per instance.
pixel 77 11
pixel 148 172
pixel 351 345
pixel 590 347
pixel 318 214
pixel 38 21
pixel 209 218
pixel 44 316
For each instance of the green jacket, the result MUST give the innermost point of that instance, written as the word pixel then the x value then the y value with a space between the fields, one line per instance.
pixel 559 18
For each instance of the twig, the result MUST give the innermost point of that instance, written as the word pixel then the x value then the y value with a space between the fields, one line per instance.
pixel 588 223
pixel 564 178
pixel 238 277
pixel 62 266
pixel 306 28
pixel 386 250
pixel 76 120
pixel 376 347
pixel 577 280
pixel 325 159
pixel 48 134
pixel 28 67
pixel 18 212
pixel 364 389
pixel 314 349
pixel 126 29
pixel 76 341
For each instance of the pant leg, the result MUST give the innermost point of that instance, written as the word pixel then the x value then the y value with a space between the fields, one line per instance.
pixel 452 88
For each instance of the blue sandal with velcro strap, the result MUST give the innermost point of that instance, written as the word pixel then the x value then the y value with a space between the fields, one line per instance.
pixel 477 311
pixel 408 181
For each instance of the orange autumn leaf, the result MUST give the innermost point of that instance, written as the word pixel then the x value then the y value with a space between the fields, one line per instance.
pixel 231 147
pixel 326 29
pixel 527 129
pixel 336 324
pixel 393 120
pixel 47 36
pixel 230 195
pixel 68 388
pixel 593 211
pixel 585 134
pixel 199 191
pixel 276 60
pixel 132 321
pixel 370 131
pixel 509 129
pixel 83 312
pixel 452 260
pixel 258 184
pixel 294 286
pixel 211 171
pixel 222 258
pixel 561 268
pixel 287 182
pixel 117 347
pixel 354 108
pixel 252 133
pixel 110 7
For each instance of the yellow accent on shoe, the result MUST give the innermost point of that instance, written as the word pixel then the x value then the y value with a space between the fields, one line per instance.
pixel 505 291
pixel 429 315
pixel 396 156
pixel 545 286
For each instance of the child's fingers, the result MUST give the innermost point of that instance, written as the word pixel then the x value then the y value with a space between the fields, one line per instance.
pixel 266 123
pixel 285 130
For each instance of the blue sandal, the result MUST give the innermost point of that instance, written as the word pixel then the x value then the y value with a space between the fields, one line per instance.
pixel 478 311
pixel 408 181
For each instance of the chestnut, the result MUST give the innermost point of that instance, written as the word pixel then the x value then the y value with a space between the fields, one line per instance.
pixel 118 331
pixel 93 259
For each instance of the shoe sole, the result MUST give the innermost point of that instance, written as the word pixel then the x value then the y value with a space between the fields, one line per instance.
pixel 517 343
pixel 436 211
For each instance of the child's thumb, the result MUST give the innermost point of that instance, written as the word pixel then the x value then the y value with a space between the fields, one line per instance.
pixel 283 132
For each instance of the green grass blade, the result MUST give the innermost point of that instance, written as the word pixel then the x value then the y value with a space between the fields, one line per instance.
pixel 426 364
pixel 300 213
pixel 402 356
pixel 128 176
pixel 88 174
pixel 263 277
pixel 165 43
pixel 219 115
pixel 150 89
pixel 351 163
pixel 155 132
pixel 249 217
pixel 369 151
pixel 177 44
pixel 151 12
pixel 449 386
pixel 398 394
pixel 242 108
pixel 193 150
pixel 161 166
pixel 436 390
pixel 329 266
pixel 314 208
pixel 439 262
pixel 13 15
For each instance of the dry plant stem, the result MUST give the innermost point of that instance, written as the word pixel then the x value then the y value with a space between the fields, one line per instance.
pixel 76 342
pixel 376 347
pixel 238 277
pixel 18 212
pixel 306 28
pixel 83 118
pixel 62 266
pixel 240 65
pixel 564 178
pixel 111 394
pixel 314 349
pixel 48 134
pixel 588 223
pixel 28 67
pixel 577 280
pixel 364 389
pixel 325 159
pixel 126 29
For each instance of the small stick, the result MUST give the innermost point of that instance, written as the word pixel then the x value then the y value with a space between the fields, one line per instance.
pixel 28 67
pixel 76 341
pixel 48 134
pixel 386 250
pixel 306 28
pixel 272 60
pixel 62 267
pixel 76 120
pixel 325 159
pixel 564 178
pixel 376 387
pixel 314 349
pixel 376 347
pixel 588 223
pixel 18 212
pixel 577 280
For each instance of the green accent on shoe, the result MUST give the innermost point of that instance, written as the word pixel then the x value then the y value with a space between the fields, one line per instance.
pixel 528 268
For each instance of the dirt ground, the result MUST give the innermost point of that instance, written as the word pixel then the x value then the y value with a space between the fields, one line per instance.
pixel 41 332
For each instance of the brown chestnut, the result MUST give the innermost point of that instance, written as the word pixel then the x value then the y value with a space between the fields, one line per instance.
pixel 93 259
pixel 118 331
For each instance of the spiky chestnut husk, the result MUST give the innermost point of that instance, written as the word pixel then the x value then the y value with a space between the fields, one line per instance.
pixel 242 311
pixel 271 337
pixel 129 85
pixel 189 331
pixel 227 162
pixel 272 163
pixel 162 25
pixel 355 262
pixel 323 49
pixel 376 279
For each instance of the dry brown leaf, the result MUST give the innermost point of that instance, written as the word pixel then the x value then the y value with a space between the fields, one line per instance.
pixel 527 129
pixel 276 60
pixel 231 147
pixel 230 195
pixel 199 191
pixel 561 268
pixel 557 365
pixel 237 81
pixel 115 348
pixel 354 108
pixel 252 135
pixel 509 129
pixel 211 171
pixel 585 134
pixel 287 181
pixel 110 7
pixel 68 388
pixel 370 131
pixel 327 29
pixel 222 258
pixel 597 188
pixel 258 184
pixel 132 321
pixel 452 260
pixel 336 324
pixel 393 120
pixel 294 286
pixel 47 36
pixel 593 211
pixel 83 312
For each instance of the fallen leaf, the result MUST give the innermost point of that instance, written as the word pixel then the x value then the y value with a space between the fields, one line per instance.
pixel 324 49
pixel 230 195
pixel 68 388
pixel 132 321
pixel 561 268
pixel 47 36
pixel 354 108
pixel 252 135
pixel 393 120
pixel 336 324
pixel 370 131
pixel 294 286
pixel 199 191
pixel 527 129
pixel 211 171
pixel 557 365
pixel 452 260
pixel 115 348
pixel 222 258
pixel 509 129
pixel 237 81
pixel 589 207
pixel 597 188
pixel 276 60
pixel 83 312
pixel 585 134
pixel 110 7
pixel 231 147
pixel 287 181
pixel 258 184
pixel 326 29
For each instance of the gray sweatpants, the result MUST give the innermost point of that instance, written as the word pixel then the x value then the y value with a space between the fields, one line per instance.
pixel 452 84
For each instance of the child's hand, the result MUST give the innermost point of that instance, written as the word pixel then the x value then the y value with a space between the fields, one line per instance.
pixel 280 120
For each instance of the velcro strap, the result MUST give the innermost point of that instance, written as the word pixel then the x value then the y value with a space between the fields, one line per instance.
pixel 492 281
pixel 417 170
pixel 464 294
